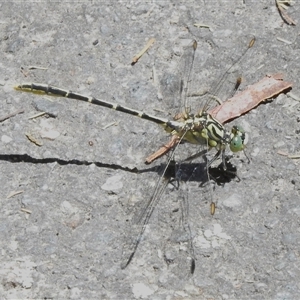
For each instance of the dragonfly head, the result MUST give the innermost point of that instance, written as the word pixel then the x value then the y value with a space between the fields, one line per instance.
pixel 237 139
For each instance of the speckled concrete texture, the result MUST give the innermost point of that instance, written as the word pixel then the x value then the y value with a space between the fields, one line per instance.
pixel 67 200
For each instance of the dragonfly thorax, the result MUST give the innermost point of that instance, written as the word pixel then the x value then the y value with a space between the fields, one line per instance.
pixel 204 129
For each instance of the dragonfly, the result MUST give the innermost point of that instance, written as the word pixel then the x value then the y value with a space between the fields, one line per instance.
pixel 198 128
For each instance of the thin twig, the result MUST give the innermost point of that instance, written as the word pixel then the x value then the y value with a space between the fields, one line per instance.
pixel 144 50
pixel 19 111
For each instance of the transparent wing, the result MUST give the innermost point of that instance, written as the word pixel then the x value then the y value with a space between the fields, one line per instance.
pixel 183 94
pixel 175 83
pixel 178 248
pixel 185 73
pixel 141 220
pixel 225 86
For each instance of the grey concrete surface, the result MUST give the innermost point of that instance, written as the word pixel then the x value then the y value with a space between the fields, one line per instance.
pixel 62 234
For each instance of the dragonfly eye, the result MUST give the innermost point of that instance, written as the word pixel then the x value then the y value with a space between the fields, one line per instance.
pixel 237 139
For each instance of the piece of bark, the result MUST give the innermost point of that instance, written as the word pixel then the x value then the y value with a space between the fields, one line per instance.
pixel 163 150
pixel 251 97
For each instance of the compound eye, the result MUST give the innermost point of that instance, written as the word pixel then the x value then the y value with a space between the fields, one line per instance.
pixel 236 143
